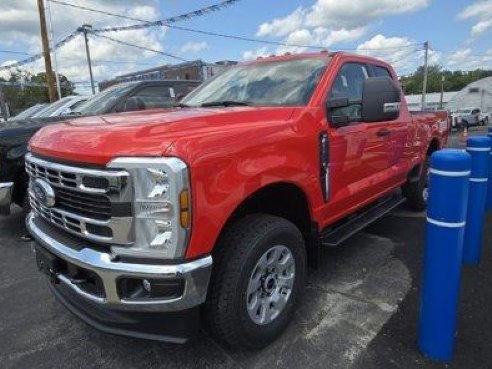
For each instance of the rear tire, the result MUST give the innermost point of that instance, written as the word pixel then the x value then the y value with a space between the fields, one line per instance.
pixel 256 260
pixel 417 192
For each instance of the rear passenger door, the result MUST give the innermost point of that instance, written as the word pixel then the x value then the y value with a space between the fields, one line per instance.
pixel 400 133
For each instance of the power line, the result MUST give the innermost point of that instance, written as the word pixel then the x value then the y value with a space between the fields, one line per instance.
pixel 37 56
pixel 99 61
pixel 406 56
pixel 138 46
pixel 166 23
pixel 97 11
pixel 277 43
pixel 145 23
pixel 14 52
pixel 196 13
pixel 454 52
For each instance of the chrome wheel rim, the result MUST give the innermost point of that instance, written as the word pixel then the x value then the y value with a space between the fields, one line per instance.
pixel 425 191
pixel 270 285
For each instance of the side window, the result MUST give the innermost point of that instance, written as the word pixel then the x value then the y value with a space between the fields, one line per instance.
pixel 348 84
pixel 77 104
pixel 182 90
pixel 156 97
pixel 381 72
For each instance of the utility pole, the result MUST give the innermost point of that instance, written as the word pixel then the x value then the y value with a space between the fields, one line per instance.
pixel 46 52
pixel 442 91
pixel 85 29
pixel 52 46
pixel 424 85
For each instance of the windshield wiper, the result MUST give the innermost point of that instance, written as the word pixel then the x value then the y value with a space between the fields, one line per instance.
pixel 181 105
pixel 225 103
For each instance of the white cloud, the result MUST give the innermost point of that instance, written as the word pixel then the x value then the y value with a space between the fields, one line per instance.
pixel 330 22
pixel 337 15
pixel 465 60
pixel 283 26
pixel 253 54
pixel 344 35
pixel 400 52
pixel 356 13
pixel 480 12
pixel 19 25
pixel 318 36
pixel 481 27
pixel 476 9
pixel 193 47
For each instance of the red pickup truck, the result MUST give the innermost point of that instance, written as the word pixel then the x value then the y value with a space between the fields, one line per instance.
pixel 150 223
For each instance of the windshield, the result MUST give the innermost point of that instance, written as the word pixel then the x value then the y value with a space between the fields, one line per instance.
pixel 276 83
pixel 28 112
pixel 464 111
pixel 104 101
pixel 52 108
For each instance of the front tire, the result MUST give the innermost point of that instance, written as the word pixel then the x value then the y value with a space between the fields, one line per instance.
pixel 257 282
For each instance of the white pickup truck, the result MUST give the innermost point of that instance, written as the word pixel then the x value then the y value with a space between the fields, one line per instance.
pixel 466 117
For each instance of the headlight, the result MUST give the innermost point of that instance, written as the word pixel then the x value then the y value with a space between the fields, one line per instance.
pixel 161 206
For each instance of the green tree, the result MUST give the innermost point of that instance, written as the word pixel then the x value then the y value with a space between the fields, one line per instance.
pixel 453 80
pixel 20 95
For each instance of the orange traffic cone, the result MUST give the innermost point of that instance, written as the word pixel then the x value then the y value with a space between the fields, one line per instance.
pixel 464 135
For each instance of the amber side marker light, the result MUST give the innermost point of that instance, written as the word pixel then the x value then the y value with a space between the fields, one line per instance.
pixel 184 208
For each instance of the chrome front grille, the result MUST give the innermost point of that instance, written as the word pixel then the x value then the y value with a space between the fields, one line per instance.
pixel 90 203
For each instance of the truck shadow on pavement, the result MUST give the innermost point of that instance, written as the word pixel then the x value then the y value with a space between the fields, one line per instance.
pixel 357 288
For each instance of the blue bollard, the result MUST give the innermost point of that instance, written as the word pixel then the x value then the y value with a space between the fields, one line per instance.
pixel 446 219
pixel 479 149
pixel 489 190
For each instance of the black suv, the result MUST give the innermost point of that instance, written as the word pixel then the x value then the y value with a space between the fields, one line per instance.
pixel 129 96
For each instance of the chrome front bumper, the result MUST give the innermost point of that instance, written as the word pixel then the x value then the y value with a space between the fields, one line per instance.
pixel 6 194
pixel 196 273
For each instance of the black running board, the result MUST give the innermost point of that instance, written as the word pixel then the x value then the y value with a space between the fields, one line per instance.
pixel 340 231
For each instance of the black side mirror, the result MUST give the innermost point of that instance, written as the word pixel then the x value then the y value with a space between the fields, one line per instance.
pixel 381 99
pixel 134 103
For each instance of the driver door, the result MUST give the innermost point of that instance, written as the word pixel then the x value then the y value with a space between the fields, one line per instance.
pixel 359 152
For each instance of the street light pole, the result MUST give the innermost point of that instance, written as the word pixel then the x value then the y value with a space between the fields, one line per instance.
pixel 424 85
pixel 85 29
pixel 442 91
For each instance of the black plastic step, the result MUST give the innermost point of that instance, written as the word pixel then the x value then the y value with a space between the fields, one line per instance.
pixel 336 234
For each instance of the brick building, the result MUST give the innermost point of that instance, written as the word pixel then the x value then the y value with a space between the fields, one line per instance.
pixel 196 70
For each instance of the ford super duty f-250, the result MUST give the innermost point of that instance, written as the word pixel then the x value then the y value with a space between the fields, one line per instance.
pixel 150 222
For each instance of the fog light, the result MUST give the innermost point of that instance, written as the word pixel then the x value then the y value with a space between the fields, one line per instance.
pixel 138 289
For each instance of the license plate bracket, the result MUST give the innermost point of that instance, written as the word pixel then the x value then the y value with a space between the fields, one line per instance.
pixel 47 263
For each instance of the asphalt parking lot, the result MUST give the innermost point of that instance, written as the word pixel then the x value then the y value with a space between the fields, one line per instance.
pixel 359 311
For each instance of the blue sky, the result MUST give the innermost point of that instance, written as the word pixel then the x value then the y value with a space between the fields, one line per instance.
pixel 459 32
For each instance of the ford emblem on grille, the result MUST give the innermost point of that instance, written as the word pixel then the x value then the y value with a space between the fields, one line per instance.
pixel 43 192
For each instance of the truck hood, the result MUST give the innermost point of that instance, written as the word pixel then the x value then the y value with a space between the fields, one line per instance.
pixel 99 139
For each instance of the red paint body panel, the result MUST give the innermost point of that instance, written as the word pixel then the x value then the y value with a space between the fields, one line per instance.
pixel 234 152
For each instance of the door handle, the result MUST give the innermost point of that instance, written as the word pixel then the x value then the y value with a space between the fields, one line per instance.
pixel 383 132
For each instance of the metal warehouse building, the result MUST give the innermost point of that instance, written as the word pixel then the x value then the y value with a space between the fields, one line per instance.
pixel 433 101
pixel 476 95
